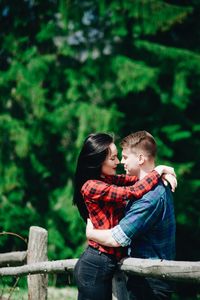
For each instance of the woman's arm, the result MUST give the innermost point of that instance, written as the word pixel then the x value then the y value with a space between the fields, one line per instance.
pixel 98 190
pixel 168 175
pixel 171 179
pixel 120 180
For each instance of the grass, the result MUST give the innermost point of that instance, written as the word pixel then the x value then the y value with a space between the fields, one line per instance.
pixel 69 293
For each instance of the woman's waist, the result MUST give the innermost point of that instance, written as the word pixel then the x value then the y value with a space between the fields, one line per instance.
pixel 116 253
pixel 104 221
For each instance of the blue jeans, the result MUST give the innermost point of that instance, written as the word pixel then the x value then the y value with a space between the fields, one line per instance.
pixel 93 274
pixel 141 288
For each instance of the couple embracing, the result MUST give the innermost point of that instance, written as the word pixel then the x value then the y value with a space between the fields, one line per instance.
pixel 130 214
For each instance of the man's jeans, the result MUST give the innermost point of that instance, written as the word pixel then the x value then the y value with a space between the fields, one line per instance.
pixel 140 288
pixel 93 274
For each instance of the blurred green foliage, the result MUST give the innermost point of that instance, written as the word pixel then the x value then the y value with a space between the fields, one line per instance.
pixel 68 68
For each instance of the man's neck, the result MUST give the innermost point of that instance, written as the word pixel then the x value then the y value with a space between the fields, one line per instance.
pixel 145 169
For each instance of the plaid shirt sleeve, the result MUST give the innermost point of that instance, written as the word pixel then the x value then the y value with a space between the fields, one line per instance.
pixel 120 237
pixel 121 180
pixel 99 190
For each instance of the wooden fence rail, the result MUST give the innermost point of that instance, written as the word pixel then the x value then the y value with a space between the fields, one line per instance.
pixel 171 270
pixel 13 258
pixel 38 266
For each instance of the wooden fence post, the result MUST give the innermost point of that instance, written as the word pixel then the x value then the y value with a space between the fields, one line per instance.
pixel 119 290
pixel 37 252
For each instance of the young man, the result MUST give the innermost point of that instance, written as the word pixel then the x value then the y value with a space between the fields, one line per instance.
pixel 148 227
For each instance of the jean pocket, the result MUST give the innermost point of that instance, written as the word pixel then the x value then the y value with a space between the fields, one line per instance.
pixel 86 272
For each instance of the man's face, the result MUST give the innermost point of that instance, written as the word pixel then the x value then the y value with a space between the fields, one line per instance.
pixel 130 160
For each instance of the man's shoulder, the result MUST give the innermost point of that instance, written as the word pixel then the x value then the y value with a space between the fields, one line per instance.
pixel 157 192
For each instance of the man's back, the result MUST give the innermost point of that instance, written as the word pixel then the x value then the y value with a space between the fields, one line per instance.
pixel 150 225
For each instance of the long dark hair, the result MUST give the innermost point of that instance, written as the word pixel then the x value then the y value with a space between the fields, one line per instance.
pixel 93 153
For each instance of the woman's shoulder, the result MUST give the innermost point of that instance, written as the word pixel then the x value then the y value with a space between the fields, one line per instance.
pixel 92 183
pixel 93 186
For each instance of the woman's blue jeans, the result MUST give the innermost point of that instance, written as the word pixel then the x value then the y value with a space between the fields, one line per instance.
pixel 93 274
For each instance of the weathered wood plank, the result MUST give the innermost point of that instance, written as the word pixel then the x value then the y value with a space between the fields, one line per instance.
pixel 119 291
pixel 13 258
pixel 57 266
pixel 37 252
pixel 172 270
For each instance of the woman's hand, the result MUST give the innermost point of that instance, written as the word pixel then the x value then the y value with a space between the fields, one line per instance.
pixel 162 169
pixel 171 179
pixel 89 228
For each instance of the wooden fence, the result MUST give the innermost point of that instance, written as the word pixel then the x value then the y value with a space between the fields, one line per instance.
pixel 34 263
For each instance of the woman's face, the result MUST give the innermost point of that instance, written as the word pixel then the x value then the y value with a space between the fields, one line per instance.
pixel 109 166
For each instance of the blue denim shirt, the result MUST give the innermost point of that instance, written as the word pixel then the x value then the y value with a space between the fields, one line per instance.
pixel 149 225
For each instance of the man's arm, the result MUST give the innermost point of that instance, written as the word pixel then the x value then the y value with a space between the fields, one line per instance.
pixel 101 236
pixel 140 218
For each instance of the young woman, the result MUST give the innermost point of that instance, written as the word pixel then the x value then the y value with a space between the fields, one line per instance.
pixel 101 195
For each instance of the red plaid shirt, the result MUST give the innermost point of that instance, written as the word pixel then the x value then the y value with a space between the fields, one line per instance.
pixel 106 199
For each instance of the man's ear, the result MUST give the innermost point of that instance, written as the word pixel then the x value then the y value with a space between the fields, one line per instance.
pixel 141 158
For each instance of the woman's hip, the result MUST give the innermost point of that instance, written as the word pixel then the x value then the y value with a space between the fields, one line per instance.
pixel 94 267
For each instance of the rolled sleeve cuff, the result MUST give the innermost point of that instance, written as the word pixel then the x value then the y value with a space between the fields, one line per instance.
pixel 120 237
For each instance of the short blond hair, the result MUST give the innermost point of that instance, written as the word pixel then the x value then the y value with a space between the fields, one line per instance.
pixel 141 140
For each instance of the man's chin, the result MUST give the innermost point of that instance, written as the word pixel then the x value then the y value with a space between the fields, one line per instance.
pixel 128 172
pixel 131 173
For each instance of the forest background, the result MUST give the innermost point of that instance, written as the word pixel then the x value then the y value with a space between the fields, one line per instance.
pixel 69 68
